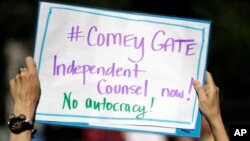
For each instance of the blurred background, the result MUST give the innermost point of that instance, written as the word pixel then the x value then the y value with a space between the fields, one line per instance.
pixel 228 61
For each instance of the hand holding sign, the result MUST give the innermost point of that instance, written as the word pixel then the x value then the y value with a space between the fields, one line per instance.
pixel 131 71
pixel 210 107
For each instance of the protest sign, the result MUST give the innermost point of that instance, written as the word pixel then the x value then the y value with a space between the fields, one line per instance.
pixel 119 70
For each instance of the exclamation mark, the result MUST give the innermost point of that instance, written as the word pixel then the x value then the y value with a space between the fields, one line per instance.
pixel 190 87
pixel 152 103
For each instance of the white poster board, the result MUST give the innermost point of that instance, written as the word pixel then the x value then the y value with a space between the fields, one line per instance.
pixel 118 70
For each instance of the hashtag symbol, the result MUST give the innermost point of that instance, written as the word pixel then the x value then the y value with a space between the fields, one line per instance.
pixel 74 34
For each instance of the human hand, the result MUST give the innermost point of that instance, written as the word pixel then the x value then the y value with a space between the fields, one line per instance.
pixel 209 104
pixel 208 98
pixel 25 90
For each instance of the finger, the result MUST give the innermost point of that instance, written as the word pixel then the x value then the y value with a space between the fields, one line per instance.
pixel 30 63
pixel 209 79
pixel 12 82
pixel 17 80
pixel 198 87
pixel 23 74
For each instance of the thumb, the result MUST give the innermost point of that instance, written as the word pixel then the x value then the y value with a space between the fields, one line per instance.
pixel 199 89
